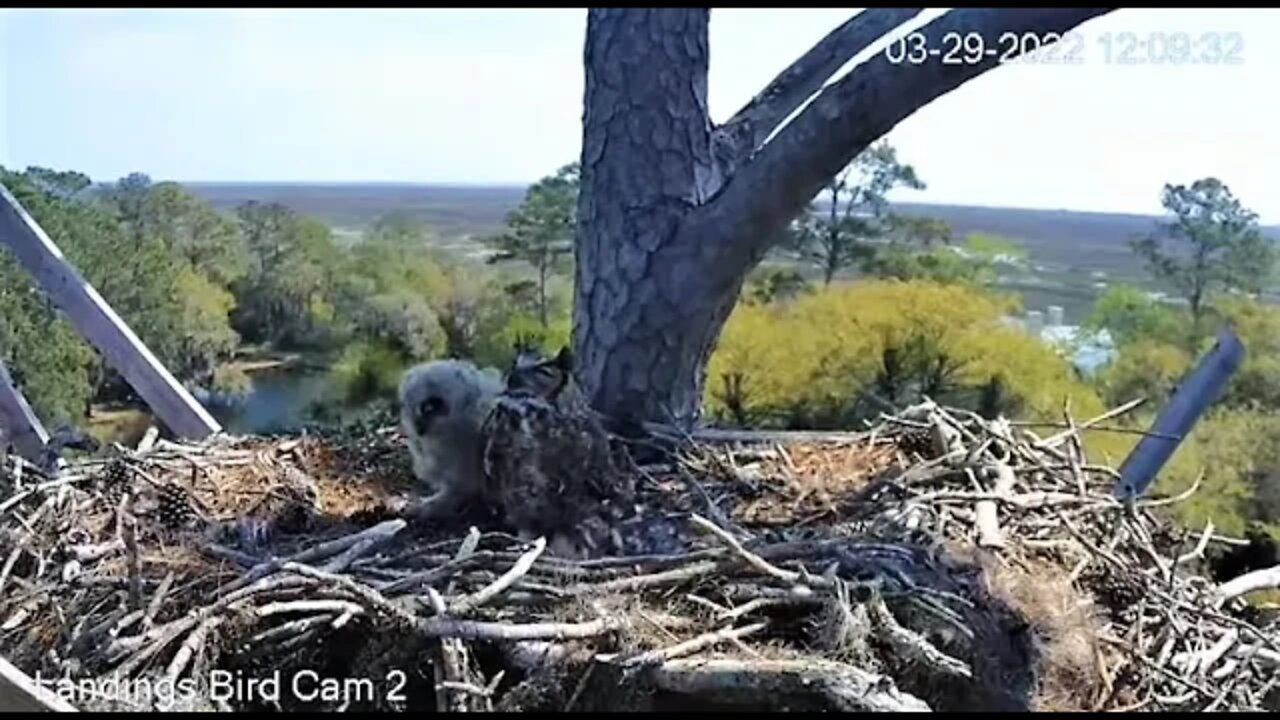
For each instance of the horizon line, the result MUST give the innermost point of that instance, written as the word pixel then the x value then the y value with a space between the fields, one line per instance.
pixel 519 185
pixel 511 185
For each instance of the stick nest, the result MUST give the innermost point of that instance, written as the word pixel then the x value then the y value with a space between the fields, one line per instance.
pixel 939 561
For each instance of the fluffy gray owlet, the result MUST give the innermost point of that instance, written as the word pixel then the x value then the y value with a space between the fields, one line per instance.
pixel 443 405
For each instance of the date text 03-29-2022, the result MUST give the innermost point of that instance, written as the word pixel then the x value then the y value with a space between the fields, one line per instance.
pixel 1070 48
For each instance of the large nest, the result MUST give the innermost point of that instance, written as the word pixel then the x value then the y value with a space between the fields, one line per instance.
pixel 938 561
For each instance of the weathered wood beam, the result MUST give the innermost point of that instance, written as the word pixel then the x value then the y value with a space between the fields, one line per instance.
pixel 19 424
pixel 97 323
pixel 20 692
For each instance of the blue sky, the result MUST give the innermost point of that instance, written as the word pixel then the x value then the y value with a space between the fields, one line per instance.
pixel 481 96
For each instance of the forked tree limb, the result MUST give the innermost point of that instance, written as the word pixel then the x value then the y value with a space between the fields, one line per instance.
pixel 748 129
pixel 846 118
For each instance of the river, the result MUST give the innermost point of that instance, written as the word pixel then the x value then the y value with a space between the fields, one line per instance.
pixel 277 401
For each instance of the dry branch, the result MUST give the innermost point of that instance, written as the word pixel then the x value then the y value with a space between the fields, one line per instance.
pixel 986 518
pixel 1266 579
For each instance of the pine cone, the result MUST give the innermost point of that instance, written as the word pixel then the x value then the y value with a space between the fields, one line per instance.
pixel 114 479
pixel 1119 592
pixel 917 441
pixel 174 506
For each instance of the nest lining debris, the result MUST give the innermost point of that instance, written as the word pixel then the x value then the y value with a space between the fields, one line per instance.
pixel 939 561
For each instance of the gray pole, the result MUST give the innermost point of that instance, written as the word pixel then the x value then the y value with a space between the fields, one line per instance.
pixel 1198 390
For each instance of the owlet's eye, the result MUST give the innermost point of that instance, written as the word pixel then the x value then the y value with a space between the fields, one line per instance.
pixel 432 406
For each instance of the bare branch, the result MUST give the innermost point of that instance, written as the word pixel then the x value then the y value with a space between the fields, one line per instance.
pixel 1266 579
pixel 489 592
pixel 477 630
pixel 845 118
pixel 751 126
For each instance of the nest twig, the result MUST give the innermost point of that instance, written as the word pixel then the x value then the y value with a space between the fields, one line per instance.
pixel 938 561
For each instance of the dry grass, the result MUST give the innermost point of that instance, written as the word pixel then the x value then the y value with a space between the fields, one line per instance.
pixel 253 474
pixel 814 482
pixel 1063 622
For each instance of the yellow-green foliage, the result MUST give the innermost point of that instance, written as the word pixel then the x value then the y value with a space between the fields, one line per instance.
pixel 1144 368
pixel 815 356
pixel 1237 444
pixel 203 307
pixel 1257 383
pixel 765 362
pixel 320 311
pixel 1031 371
pixel 1151 360
pixel 1225 444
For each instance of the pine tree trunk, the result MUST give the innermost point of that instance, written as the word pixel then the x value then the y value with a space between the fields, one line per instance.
pixel 646 311
pixel 674 211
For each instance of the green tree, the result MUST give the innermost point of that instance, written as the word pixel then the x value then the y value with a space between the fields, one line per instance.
pixel 392 289
pixel 265 227
pixel 188 226
pixel 1256 385
pixel 840 235
pixel 201 307
pixel 1228 447
pixel 918 231
pixel 1212 244
pixel 290 293
pixel 1144 368
pixel 472 312
pixel 403 321
pixel 994 247
pixel 135 274
pixel 128 196
pixel 1129 314
pixel 926 254
pixel 48 361
pixel 196 232
pixel 540 231
pixel 399 229
pixel 64 185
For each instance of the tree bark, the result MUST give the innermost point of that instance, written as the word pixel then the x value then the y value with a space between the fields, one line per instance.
pixel 674 212
pixel 645 313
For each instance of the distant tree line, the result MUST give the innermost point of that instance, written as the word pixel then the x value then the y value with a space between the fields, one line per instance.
pixel 200 287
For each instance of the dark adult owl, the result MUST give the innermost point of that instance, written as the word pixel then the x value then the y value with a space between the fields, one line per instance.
pixel 549 466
